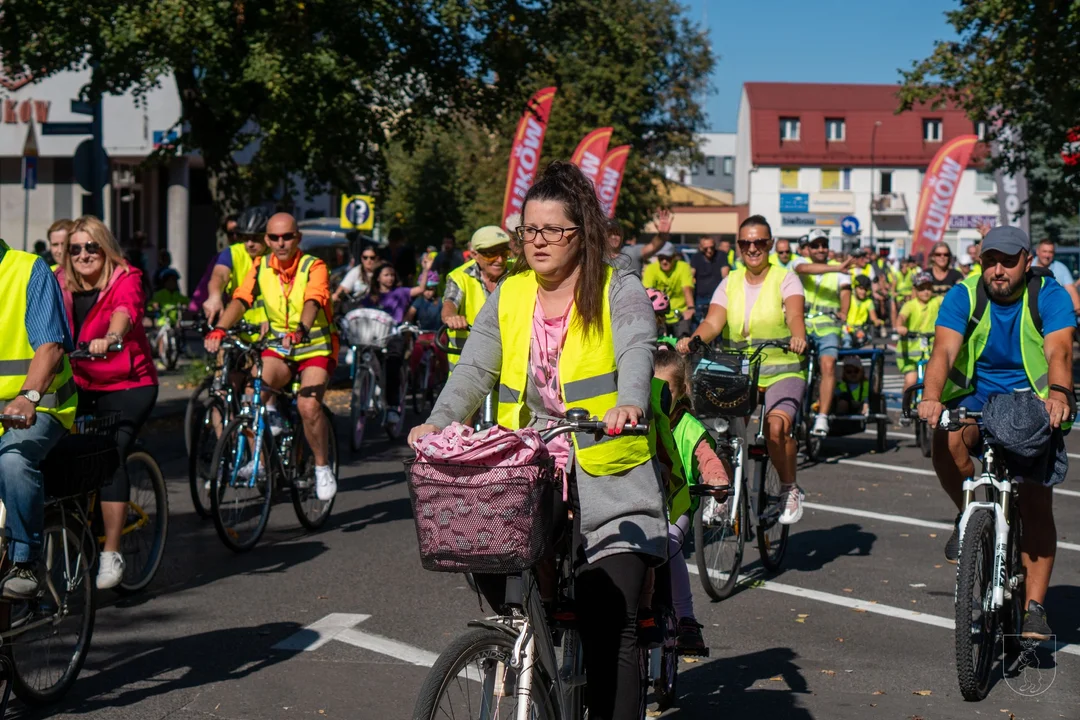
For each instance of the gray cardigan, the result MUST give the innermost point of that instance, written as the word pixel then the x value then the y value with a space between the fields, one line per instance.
pixel 624 513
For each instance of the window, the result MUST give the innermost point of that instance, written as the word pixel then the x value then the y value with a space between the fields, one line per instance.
pixel 789 128
pixel 980 130
pixel 830 179
pixel 886 182
pixel 931 130
pixel 695 170
pixel 834 129
pixel 789 178
pixel 984 182
pixel 710 165
pixel 729 165
pixel 845 179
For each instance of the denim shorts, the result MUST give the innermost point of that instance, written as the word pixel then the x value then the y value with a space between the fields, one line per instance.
pixel 827 345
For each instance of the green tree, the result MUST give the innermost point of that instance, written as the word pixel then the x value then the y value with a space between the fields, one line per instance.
pixel 319 85
pixel 638 66
pixel 1013 66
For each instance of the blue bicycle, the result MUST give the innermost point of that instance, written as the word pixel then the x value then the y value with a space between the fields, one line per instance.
pixel 251 463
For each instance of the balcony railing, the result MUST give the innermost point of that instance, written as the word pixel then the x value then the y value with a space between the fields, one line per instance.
pixel 890 205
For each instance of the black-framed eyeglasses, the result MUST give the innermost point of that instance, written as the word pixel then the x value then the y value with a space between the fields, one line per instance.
pixel 552 234
pixel 76 249
pixel 744 245
pixel 283 237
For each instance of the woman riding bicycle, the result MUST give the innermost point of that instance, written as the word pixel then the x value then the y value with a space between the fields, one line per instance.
pixel 565 330
pixel 384 294
pixel 105 304
pixel 758 302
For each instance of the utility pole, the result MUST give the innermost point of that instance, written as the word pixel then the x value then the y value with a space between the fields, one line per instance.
pixel 29 177
pixel 873 141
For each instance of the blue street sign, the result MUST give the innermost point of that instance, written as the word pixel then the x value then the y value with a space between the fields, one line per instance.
pixel 850 225
pixel 30 172
pixel 67 128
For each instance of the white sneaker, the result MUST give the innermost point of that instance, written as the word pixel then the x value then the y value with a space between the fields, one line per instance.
pixel 821 426
pixel 350 357
pixel 325 483
pixel 791 498
pixel 392 417
pixel 275 421
pixel 110 570
pixel 244 473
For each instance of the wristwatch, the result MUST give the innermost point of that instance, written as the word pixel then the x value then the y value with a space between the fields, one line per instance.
pixel 32 395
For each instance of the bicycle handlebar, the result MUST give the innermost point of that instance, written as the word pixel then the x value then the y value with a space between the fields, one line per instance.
pixel 952 419
pixel 12 418
pixel 578 420
pixel 444 330
pixel 698 345
pixel 83 353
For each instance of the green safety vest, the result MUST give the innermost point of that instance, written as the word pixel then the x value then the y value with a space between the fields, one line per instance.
pixel 822 295
pixel 959 380
pixel 679 442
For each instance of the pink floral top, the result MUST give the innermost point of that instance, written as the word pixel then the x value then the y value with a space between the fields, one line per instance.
pixel 548 337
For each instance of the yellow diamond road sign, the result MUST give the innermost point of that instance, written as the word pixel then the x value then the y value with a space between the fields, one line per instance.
pixel 357 212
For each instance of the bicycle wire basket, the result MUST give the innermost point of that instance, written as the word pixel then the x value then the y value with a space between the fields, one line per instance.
pixel 472 518
pixel 83 460
pixel 725 384
pixel 368 327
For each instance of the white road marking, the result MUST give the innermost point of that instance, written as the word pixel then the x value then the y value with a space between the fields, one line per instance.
pixel 914 471
pixel 320 632
pixel 863 605
pixel 901 519
pixel 386 646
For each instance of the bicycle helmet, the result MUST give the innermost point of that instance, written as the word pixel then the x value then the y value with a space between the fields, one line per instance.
pixel 168 273
pixel 659 301
pixel 252 221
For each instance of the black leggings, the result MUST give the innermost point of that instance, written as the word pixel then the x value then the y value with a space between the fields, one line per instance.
pixel 134 406
pixel 394 360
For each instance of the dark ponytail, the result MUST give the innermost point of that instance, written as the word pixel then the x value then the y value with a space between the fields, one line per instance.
pixel 565 183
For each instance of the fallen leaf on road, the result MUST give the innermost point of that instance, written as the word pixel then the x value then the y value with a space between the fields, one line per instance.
pixel 849 671
pixel 800 620
pixel 873 704
pixel 839 639
pixel 862 489
pixel 904 535
pixel 652 713
pixel 859 609
pixel 777 678
pixel 907 494
pixel 937 566
pixel 323 597
pixel 804 615
pixel 885 581
pixel 878 692
pixel 691 660
pixel 828 672
pixel 924 693
pixel 914 601
pixel 848 590
pixel 873 602
pixel 917 584
pixel 933 534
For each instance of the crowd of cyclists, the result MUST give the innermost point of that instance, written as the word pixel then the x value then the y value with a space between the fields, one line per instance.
pixel 560 313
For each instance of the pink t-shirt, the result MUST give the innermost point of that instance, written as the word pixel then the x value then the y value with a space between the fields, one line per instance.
pixel 789 287
pixel 548 336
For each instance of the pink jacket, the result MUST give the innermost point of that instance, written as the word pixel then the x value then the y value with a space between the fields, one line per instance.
pixel 133 366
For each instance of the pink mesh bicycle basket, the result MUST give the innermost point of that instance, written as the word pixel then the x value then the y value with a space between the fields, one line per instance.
pixel 472 518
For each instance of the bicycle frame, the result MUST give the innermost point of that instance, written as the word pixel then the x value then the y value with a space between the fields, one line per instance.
pixel 999 494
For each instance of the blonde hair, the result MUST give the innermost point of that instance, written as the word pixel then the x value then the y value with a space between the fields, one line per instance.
pixel 100 234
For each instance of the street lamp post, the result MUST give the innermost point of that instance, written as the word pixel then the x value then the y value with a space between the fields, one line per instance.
pixel 873 141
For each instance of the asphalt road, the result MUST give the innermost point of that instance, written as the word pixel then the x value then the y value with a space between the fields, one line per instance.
pixel 857 624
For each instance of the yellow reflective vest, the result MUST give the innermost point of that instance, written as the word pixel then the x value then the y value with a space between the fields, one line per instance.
pixel 767 322
pixel 473 297
pixel 588 377
pixel 241 266
pixel 822 295
pixel 284 311
pixel 16 353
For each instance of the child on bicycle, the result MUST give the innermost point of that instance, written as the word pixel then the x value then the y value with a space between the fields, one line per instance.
pixel 861 310
pixel 918 315
pixel 853 390
pixel 165 305
pixel 685 450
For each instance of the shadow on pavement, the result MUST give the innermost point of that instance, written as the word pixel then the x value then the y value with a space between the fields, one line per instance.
pixel 186 662
pixel 375 514
pixel 811 550
pixel 723 686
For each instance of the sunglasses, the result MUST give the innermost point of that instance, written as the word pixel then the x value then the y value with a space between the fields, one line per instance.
pixel 1009 261
pixel 822 245
pixel 783 252
pixel 744 245
pixel 284 237
pixel 495 252
pixel 941 254
pixel 76 249
pixel 368 257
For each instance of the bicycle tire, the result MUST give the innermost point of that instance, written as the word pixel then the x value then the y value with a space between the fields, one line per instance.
pixel 74 581
pixel 419 385
pixel 772 542
pixel 201 454
pixel 712 571
pixel 142 559
pixel 487 644
pixel 395 430
pixel 1013 619
pixel 882 428
pixel 172 352
pixel 358 404
pixel 194 402
pixel 229 453
pixel 303 495
pixel 975 655
pixel 666 685
pixel 923 439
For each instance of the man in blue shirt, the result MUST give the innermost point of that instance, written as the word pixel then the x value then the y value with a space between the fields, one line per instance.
pixel 1044 257
pixel 953 380
pixel 31 306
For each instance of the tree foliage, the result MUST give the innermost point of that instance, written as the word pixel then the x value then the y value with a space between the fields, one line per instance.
pixel 638 66
pixel 311 88
pixel 1013 66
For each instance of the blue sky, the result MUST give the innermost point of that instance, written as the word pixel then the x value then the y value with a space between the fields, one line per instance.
pixel 851 41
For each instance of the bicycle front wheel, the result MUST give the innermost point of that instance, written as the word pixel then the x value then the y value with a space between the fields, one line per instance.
pixel 195 403
pixel 47 638
pixel 772 536
pixel 147 527
pixel 310 510
pixel 241 488
pixel 976 623
pixel 358 407
pixel 397 429
pixel 473 675
pixel 211 419
pixel 719 539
